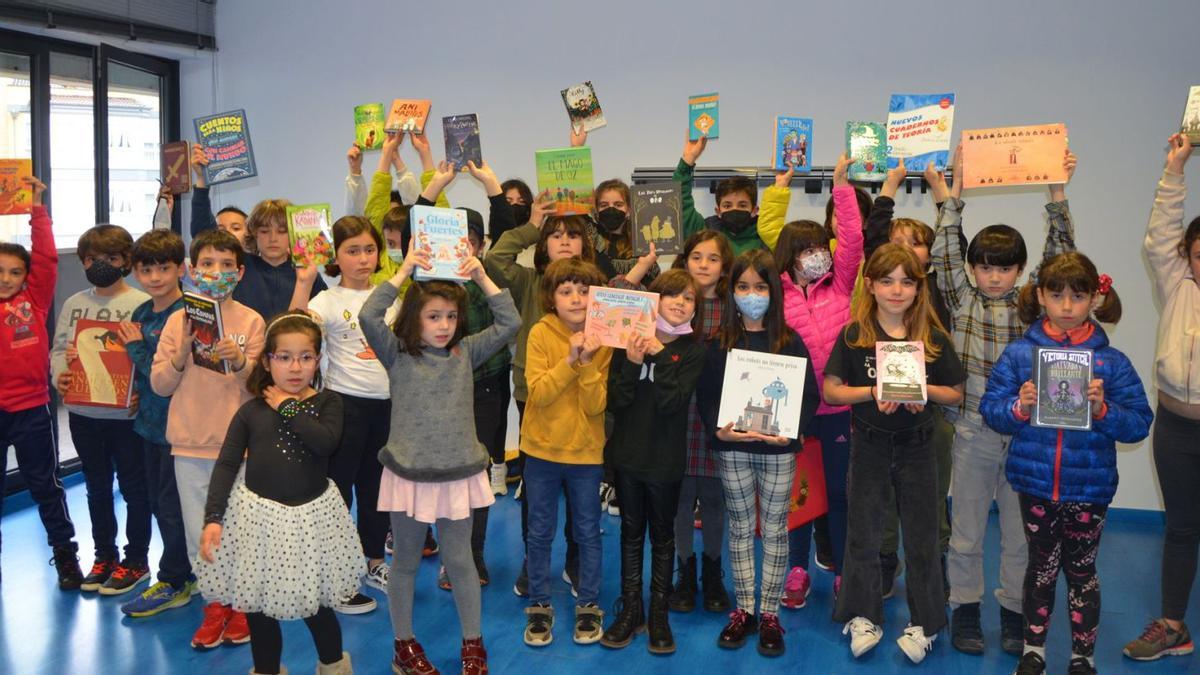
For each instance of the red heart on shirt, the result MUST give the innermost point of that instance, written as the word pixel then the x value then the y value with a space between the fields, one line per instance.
pixel 675 357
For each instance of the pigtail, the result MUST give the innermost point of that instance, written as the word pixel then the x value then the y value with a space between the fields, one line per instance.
pixel 1109 310
pixel 1028 308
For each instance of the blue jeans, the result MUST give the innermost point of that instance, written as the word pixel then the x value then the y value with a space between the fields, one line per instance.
pixel 105 447
pixel 544 481
pixel 173 566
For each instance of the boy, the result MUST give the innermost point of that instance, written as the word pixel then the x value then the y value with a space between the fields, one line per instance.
pixel 736 210
pixel 104 437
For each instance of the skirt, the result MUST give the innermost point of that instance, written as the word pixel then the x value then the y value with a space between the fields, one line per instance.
pixel 283 561
pixel 427 502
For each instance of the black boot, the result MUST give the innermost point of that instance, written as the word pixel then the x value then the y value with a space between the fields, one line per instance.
pixel 66 563
pixel 716 599
pixel 630 621
pixel 1012 631
pixel 661 639
pixel 683 599
pixel 965 632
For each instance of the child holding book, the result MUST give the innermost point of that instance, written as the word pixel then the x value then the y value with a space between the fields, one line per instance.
pixel 230 218
pixel 404 186
pixel 736 208
pixel 1065 478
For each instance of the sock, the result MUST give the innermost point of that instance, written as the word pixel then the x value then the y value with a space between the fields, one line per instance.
pixel 1040 651
pixel 1091 661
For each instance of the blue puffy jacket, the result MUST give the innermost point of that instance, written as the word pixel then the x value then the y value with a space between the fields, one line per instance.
pixel 1066 465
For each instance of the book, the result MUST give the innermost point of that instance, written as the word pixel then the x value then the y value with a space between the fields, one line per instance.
pixel 1029 155
pixel 809 496
pixel 762 392
pixel 704 116
pixel 918 130
pixel 225 138
pixel 1062 377
pixel 461 133
pixel 583 107
pixel 900 372
pixel 443 234
pixel 793 144
pixel 1191 115
pixel 102 376
pixel 408 115
pixel 205 314
pixel 566 175
pixel 15 197
pixel 866 143
pixel 368 126
pixel 657 217
pixel 176 166
pixel 615 314
pixel 309 235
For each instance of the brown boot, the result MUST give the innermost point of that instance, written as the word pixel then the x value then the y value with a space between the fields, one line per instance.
pixel 474 657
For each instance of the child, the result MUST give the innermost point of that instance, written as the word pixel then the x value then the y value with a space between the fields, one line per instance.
pixel 383 209
pixel 435 467
pixel 1174 256
pixel 269 278
pixel 26 295
pixel 1065 478
pixel 104 437
pixel 889 451
pixel 756 469
pixel 562 436
pixel 404 185
pixel 230 219
pixel 280 544
pixel 650 386
pixel 736 203
pixel 203 401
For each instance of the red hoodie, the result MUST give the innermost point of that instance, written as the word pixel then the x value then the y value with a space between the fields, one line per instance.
pixel 24 345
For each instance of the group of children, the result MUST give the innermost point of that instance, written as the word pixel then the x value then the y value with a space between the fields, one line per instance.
pixel 393 393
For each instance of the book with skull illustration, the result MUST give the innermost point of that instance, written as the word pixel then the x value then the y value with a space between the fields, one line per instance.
pixel 657 218
pixel 900 372
pixel 763 393
pixel 1062 377
pixel 102 375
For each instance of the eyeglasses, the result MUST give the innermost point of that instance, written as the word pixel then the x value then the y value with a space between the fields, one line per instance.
pixel 286 359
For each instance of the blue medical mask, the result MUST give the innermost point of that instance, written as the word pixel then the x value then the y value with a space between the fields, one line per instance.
pixel 752 305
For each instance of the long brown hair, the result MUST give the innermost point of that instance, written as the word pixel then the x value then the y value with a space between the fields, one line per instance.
pixel 408 324
pixel 723 249
pixel 919 318
pixel 733 332
pixel 348 227
pixel 576 224
pixel 291 321
pixel 1076 271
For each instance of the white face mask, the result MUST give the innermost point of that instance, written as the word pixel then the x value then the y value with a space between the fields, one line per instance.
pixel 814 265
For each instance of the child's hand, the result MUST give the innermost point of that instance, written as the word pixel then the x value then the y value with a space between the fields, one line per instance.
pixel 574 348
pixel 274 396
pixel 784 178
pixel 417 257
pixel 635 351
pixel 1096 396
pixel 653 346
pixel 445 174
pixel 134 402
pixel 1027 398
pixel 164 192
pixel 485 175
pixel 473 269
pixel 307 275
pixel 72 353
pixel 693 149
pixel 354 159
pixel 1069 163
pixel 956 165
pixel 642 267
pixel 540 208
pixel 38 187
pixel 842 170
pixel 937 183
pixel 391 148
pixel 770 440
pixel 1179 148
pixel 591 344
pixel 179 359
pixel 210 541
pixel 63 383
pixel 1058 190
pixel 730 435
pixel 578 136
pixel 421 143
pixel 199 161
pixel 227 349
pixel 887 407
pixel 129 332
pixel 914 408
pixel 891 183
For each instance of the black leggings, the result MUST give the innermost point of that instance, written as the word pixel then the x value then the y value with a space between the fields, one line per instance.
pixel 266 641
pixel 1177 460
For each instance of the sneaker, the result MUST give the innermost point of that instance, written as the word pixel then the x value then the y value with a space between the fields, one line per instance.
pixel 1158 640
pixel 237 631
pixel 443 580
pixel 356 604
pixel 499 474
pixel 1012 631
pixel 521 587
pixel 770 635
pixel 823 558
pixel 1080 666
pixel 388 547
pixel 377 576
pixel 796 589
pixel 431 545
pixel 208 635
pixel 125 577
pixel 589 623
pixel 614 508
pixel 966 634
pixel 158 598
pixel 482 570
pixel 539 625
pixel 66 563
pixel 1031 663
pixel 915 644
pixel 890 567
pixel 864 635
pixel 572 581
pixel 101 571
pixel 741 624
pixel 519 492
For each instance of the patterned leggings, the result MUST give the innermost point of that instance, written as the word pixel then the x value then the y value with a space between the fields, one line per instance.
pixel 1062 536
pixel 757 485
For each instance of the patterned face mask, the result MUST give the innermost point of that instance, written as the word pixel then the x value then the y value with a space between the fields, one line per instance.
pixel 216 285
pixel 814 265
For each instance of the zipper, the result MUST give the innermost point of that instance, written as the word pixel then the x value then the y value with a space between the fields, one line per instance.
pixel 1191 358
pixel 1057 465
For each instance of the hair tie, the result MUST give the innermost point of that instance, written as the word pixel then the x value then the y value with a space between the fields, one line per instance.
pixel 1105 284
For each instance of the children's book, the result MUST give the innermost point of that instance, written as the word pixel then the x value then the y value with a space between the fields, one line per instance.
pixel 900 372
pixel 205 314
pixel 368 126
pixel 462 140
pixel 763 392
pixel 407 115
pixel 15 197
pixel 1062 377
pixel 176 166
pixel 566 175
pixel 583 107
pixel 1029 155
pixel 866 143
pixel 793 144
pixel 1191 115
pixel 442 233
pixel 809 496
pixel 102 376
pixel 657 217
pixel 225 138
pixel 309 234
pixel 615 314
pixel 704 116
pixel 918 130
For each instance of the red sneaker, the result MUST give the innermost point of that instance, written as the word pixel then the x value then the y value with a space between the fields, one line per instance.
pixel 208 635
pixel 237 631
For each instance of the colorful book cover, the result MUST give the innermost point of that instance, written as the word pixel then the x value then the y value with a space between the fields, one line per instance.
pixel 205 314
pixel 866 143
pixel 583 107
pixel 15 197
pixel 900 372
pixel 614 315
pixel 566 175
pixel 408 114
pixel 309 235
pixel 102 376
pixel 368 126
pixel 793 144
pixel 462 140
pixel 1062 377
pixel 657 217
pixel 1191 115
pixel 809 497
pixel 442 233
pixel 225 138
pixel 704 116
pixel 1029 155
pixel 918 130
pixel 176 165
pixel 763 392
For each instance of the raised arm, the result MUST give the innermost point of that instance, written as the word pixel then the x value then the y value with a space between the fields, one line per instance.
pixel 1061 236
pixel 849 253
pixel 772 208
pixel 693 222
pixel 1165 229
pixel 202 215
pixel 356 187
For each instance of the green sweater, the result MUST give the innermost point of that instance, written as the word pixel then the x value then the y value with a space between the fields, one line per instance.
pixel 501 265
pixel 693 222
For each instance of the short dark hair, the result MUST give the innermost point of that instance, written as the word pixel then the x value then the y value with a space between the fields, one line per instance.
pixel 396 220
pixel 104 238
pixel 522 189
pixel 16 251
pixel 219 240
pixel 567 270
pixel 576 224
pixel 395 198
pixel 348 227
pixel 291 321
pixel 864 209
pixel 157 247
pixel 232 209
pixel 795 238
pixel 738 184
pixel 998 245
pixel 407 327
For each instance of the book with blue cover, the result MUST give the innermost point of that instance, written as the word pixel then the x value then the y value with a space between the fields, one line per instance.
pixel 866 144
pixel 461 133
pixel 918 130
pixel 704 116
pixel 793 144
pixel 225 138
pixel 442 233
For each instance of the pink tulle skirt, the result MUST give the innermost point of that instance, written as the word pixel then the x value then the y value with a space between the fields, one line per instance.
pixel 426 502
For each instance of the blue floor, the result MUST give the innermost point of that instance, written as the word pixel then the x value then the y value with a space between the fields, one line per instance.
pixel 44 630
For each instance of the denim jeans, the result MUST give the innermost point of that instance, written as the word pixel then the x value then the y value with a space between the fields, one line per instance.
pixel 544 482
pixel 174 566
pixel 105 446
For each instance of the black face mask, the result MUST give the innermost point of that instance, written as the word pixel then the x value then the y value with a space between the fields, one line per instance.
pixel 521 213
pixel 611 219
pixel 736 220
pixel 102 275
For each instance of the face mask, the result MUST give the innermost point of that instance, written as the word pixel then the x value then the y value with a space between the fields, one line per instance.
pixel 396 255
pixel 666 328
pixel 101 274
pixel 752 305
pixel 611 219
pixel 521 213
pixel 216 285
pixel 815 265
pixel 736 220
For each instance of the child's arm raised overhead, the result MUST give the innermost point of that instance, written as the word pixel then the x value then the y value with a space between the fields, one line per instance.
pixel 43 254
pixel 850 239
pixel 878 228
pixel 501 259
pixel 421 143
pixel 438 181
pixel 500 213
pixel 371 318
pixel 505 319
pixel 379 197
pixel 202 215
pixel 1061 236
pixel 1165 229
pixel 693 222
pixel 356 187
pixel 772 210
pixel 947 255
pixel 406 183
pixel 320 431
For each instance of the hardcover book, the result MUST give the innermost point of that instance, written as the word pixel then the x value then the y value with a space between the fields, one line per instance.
pixel 704 116
pixel 615 314
pixel 900 372
pixel 15 197
pixel 368 126
pixel 1062 377
pixel 442 233
pixel 918 130
pixel 462 140
pixel 1191 115
pixel 205 315
pixel 583 107
pixel 102 376
pixel 793 144
pixel 309 234
pixel 176 166
pixel 565 175
pixel 1029 155
pixel 657 217
pixel 225 138
pixel 763 392
pixel 407 115
pixel 866 143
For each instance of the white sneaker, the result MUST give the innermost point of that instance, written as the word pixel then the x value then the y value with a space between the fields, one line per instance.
pixel 499 474
pixel 377 577
pixel 864 635
pixel 915 644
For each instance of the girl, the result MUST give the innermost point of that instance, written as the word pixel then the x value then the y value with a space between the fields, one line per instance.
pixel 889 451
pixel 756 469
pixel 1064 479
pixel 435 469
pixel 280 544
pixel 650 386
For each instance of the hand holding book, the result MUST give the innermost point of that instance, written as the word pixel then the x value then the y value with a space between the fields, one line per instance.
pixel 841 171
pixel 1179 148
pixel 896 176
pixel 354 159
pixel 693 149
pixel 1058 190
pixel 1096 396
pixel 784 178
pixel 199 161
pixel 417 257
pixel 578 137
pixel 484 174
pixel 37 187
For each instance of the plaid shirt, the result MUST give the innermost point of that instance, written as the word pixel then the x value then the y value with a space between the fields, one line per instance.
pixel 701 460
pixel 982 326
pixel 479 317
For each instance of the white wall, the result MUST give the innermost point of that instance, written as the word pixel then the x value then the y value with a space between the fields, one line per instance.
pixel 1116 72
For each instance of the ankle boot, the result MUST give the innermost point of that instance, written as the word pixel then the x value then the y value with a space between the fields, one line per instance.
pixel 716 599
pixel 661 641
pixel 341 667
pixel 683 599
pixel 630 620
pixel 409 659
pixel 474 657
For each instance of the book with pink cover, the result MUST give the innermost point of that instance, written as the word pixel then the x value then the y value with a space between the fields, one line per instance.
pixel 615 314
pixel 1006 156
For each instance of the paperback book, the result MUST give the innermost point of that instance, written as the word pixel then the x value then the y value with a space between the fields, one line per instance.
pixel 368 126
pixel 918 130
pixel 657 218
pixel 900 372
pixel 1029 155
pixel 565 175
pixel 614 315
pixel 866 144
pixel 176 166
pixel 102 376
pixel 462 140
pixel 704 116
pixel 309 235
pixel 442 233
pixel 15 196
pixel 583 107
pixel 407 115
pixel 763 392
pixel 1191 115
pixel 205 315
pixel 1062 377
pixel 793 144
pixel 225 138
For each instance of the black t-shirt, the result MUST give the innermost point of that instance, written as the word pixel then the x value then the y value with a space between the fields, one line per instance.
pixel 855 366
